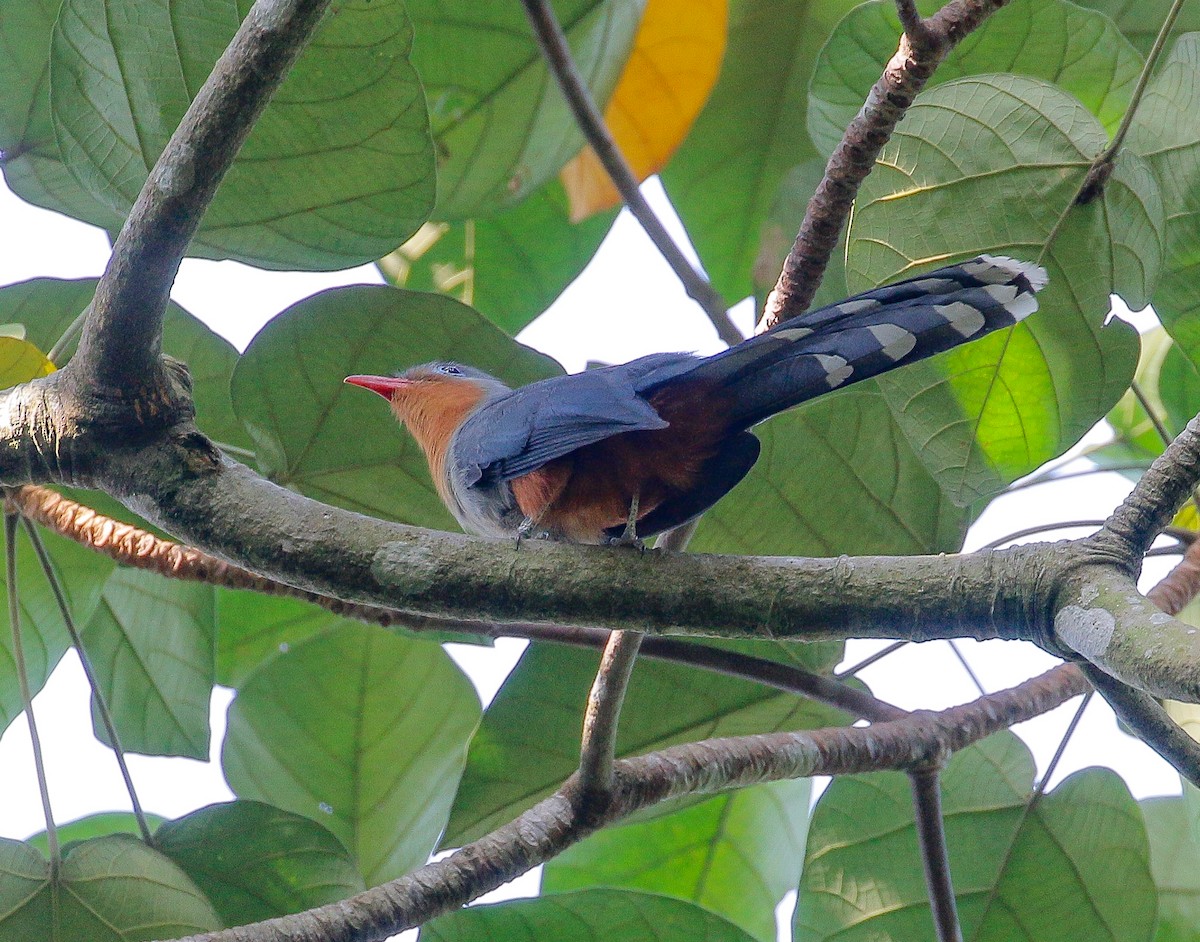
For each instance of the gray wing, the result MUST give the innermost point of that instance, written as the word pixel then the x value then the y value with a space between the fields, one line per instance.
pixel 519 432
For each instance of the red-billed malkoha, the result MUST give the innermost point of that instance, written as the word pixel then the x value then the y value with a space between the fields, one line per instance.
pixel 659 440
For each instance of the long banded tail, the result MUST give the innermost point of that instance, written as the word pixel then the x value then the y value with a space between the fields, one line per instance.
pixel 872 333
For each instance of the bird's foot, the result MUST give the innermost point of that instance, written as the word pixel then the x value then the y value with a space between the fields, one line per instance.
pixel 526 532
pixel 627 539
pixel 629 535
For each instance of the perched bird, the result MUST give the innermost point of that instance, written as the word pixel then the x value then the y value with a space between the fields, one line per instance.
pixel 650 444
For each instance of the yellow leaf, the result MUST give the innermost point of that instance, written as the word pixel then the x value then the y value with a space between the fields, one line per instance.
pixel 674 65
pixel 21 361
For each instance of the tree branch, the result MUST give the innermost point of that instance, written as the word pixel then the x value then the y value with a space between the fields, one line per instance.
pixel 557 53
pixel 1181 584
pixel 1154 500
pixel 120 348
pixel 697 768
pixel 1143 714
pixel 85 661
pixel 602 716
pixel 920 53
pixel 132 546
pixel 931 836
pixel 227 509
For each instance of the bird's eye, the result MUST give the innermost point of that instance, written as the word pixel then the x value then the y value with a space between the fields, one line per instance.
pixel 451 370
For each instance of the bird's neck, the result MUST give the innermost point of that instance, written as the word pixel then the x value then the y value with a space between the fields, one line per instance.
pixel 433 416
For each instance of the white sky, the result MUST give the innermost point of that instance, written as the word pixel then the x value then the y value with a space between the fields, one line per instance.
pixel 624 305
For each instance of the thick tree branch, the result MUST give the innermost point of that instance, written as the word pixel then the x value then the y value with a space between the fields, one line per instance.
pixel 132 546
pixel 919 55
pixel 1103 617
pixel 226 509
pixel 120 349
pixel 697 768
pixel 1025 592
pixel 557 52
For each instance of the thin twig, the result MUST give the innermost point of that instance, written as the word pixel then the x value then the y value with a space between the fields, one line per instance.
pixel 68 337
pixel 871 659
pixel 18 653
pixel 967 667
pixel 1040 528
pixel 903 77
pixel 931 837
pixel 603 713
pixel 1060 750
pixel 1067 475
pixel 557 53
pixel 910 19
pixel 1143 400
pixel 1101 167
pixel 101 706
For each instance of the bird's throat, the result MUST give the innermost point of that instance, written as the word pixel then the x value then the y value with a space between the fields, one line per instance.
pixel 432 415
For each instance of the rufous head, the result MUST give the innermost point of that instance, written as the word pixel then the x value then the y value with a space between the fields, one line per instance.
pixel 433 400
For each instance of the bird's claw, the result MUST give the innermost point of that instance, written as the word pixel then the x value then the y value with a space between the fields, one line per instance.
pixel 629 535
pixel 628 539
pixel 526 532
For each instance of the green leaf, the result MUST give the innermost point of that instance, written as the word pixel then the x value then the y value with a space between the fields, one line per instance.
pixel 1140 20
pixel 514 763
pixel 362 731
pixel 92 826
pixel 254 629
pixel 47 306
pixel 44 638
pixel 340 444
pixel 991 411
pixel 110 889
pixel 1079 50
pixel 28 151
pixel 502 126
pixel 884 501
pixel 1166 131
pixel 338 170
pixel 724 177
pixel 510 266
pixel 256 862
pixel 587 916
pixel 1075 866
pixel 151 643
pixel 736 855
pixel 1175 862
pixel 21 361
pixel 1171 385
